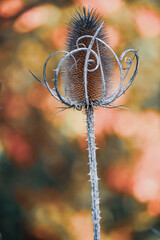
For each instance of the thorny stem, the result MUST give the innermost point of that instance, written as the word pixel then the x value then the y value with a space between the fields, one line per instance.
pixel 93 173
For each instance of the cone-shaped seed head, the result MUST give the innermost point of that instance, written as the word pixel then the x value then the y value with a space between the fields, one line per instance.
pixel 86 22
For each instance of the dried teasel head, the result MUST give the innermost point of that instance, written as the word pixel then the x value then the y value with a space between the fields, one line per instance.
pixel 87 65
pixel 87 23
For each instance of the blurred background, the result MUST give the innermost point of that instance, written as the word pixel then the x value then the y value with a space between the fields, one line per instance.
pixel 44 188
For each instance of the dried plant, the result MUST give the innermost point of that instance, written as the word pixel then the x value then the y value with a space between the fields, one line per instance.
pixel 85 83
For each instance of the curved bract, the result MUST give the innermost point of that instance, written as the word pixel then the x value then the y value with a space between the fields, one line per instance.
pixel 92 62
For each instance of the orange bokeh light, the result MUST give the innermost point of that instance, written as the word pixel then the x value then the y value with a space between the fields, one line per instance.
pixel 82 226
pixel 119 177
pixel 146 177
pixel 147 22
pixel 153 207
pixel 16 107
pixel 9 8
pixel 58 37
pixel 17 148
pixel 31 19
pixel 114 37
pixel 123 233
pixel 36 96
pixel 106 7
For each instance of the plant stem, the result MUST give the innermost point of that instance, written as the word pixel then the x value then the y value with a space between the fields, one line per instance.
pixel 93 173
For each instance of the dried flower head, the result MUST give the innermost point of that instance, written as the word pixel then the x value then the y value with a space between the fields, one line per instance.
pixel 90 24
pixel 87 65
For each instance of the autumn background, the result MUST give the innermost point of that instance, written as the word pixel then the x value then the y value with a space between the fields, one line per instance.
pixel 44 188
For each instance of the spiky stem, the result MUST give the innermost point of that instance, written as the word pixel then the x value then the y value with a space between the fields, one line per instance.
pixel 93 173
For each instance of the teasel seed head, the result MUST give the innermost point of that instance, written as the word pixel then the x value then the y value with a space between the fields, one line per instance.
pixel 87 65
pixel 87 23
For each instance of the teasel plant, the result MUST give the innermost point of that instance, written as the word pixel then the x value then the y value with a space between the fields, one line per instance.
pixel 82 81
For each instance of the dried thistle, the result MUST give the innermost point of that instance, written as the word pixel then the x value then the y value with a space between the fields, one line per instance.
pixel 87 66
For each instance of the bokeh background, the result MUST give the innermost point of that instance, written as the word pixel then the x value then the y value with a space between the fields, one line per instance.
pixel 44 188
